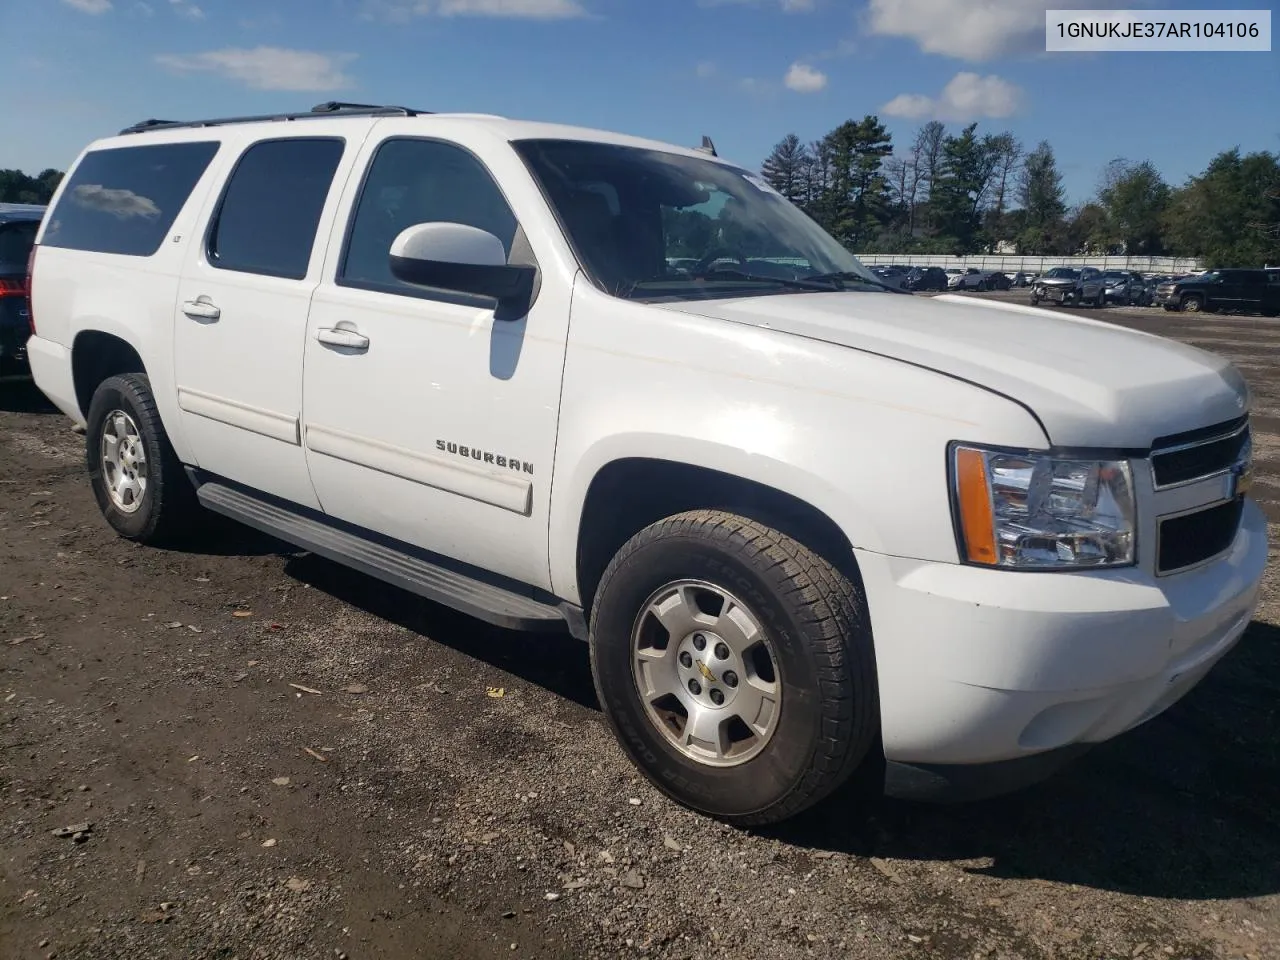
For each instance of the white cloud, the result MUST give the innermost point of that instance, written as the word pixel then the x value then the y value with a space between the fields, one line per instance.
pixel 267 68
pixel 512 9
pixel 973 30
pixel 121 204
pixel 89 6
pixel 705 69
pixel 143 9
pixel 966 96
pixel 803 78
pixel 185 8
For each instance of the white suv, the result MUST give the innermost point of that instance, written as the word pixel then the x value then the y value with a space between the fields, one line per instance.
pixel 557 377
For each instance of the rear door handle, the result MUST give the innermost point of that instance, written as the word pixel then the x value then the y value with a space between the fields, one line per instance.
pixel 201 309
pixel 339 337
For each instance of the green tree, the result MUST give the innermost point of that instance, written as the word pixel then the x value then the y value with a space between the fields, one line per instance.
pixel 958 196
pixel 1230 214
pixel 786 168
pixel 853 201
pixel 18 187
pixel 1135 197
pixel 1043 201
pixel 1087 230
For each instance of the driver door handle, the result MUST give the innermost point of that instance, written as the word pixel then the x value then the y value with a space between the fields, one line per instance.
pixel 201 309
pixel 338 337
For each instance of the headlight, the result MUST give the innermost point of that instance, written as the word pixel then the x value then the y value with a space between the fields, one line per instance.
pixel 1032 511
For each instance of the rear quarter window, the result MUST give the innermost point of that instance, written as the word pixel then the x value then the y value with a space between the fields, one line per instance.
pixel 123 200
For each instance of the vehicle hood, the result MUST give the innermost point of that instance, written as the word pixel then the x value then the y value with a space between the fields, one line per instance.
pixel 1057 281
pixel 1090 383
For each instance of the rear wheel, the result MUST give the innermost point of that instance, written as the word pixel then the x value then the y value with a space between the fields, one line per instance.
pixel 735 666
pixel 136 477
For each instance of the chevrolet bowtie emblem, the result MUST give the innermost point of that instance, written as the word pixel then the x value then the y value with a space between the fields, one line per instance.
pixel 702 669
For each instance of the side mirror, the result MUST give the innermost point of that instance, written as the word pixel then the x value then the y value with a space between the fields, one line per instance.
pixel 463 259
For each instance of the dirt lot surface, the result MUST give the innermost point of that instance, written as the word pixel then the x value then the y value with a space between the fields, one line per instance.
pixel 280 758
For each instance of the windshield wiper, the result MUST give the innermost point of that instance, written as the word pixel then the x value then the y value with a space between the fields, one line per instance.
pixel 844 275
pixel 826 283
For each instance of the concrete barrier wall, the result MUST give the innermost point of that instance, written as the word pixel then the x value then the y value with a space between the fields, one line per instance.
pixel 1012 264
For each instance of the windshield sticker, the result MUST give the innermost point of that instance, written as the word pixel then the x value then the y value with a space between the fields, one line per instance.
pixel 760 185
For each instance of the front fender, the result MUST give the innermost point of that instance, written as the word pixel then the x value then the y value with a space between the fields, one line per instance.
pixel 860 437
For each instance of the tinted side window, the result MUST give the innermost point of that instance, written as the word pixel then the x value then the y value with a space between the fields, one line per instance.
pixel 124 200
pixel 418 181
pixel 267 217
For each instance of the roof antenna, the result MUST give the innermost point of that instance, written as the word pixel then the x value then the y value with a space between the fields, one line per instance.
pixel 707 147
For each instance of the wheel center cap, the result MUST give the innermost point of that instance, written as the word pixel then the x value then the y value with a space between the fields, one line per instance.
pixel 710 671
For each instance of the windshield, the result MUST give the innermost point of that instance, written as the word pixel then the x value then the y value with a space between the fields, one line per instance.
pixel 1063 273
pixel 651 225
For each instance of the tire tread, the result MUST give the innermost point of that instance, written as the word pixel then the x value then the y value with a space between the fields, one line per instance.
pixel 828 605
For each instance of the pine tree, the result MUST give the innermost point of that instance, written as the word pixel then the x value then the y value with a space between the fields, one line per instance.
pixel 785 168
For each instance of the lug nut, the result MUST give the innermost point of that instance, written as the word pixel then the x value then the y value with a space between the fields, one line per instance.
pixel 730 678
pixel 686 661
pixel 722 651
pixel 695 687
pixel 699 641
pixel 717 697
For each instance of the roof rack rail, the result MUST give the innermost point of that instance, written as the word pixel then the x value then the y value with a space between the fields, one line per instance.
pixel 331 108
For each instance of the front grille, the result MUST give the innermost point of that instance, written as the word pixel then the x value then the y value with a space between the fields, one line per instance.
pixel 1195 537
pixel 1199 453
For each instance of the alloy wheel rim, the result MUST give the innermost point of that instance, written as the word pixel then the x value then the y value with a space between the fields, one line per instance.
pixel 706 672
pixel 124 462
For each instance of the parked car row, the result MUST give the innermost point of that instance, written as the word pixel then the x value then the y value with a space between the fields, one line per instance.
pixel 929 279
pixel 1228 291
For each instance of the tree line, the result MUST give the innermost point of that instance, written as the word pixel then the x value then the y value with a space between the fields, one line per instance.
pixel 964 192
pixel 18 187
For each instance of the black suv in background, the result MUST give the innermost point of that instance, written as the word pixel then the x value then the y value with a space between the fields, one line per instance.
pixel 926 278
pixel 18 225
pixel 1228 291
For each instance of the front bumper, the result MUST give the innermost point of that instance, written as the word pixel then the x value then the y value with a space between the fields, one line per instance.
pixel 1056 294
pixel 981 666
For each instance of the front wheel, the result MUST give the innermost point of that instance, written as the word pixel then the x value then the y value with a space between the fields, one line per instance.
pixel 734 665
pixel 135 475
pixel 1192 304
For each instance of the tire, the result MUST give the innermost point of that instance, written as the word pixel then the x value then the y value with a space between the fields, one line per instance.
pixel 1035 301
pixel 1191 304
pixel 817 645
pixel 163 506
pixel 982 286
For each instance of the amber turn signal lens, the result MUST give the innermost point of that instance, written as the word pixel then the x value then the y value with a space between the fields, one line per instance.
pixel 974 500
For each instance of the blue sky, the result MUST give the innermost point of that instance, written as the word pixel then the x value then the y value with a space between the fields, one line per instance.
pixel 746 72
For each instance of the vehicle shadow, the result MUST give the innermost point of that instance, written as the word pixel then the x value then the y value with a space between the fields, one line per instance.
pixel 23 396
pixel 554 661
pixel 1186 806
pixel 217 536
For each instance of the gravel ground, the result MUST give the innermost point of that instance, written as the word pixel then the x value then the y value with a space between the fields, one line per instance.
pixel 276 757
